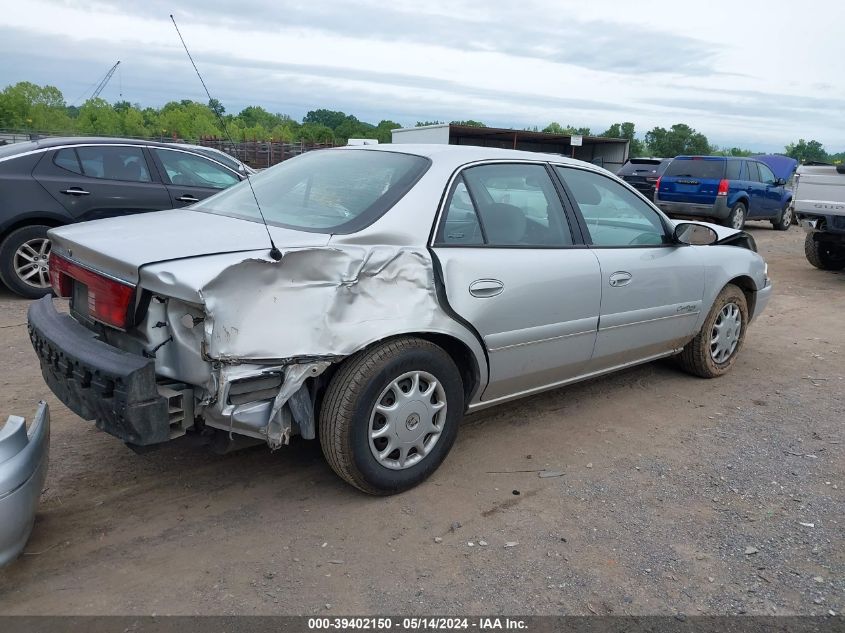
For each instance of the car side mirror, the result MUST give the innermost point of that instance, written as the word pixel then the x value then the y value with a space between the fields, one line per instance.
pixel 780 182
pixel 694 234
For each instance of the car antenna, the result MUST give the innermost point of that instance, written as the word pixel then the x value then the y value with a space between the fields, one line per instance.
pixel 275 253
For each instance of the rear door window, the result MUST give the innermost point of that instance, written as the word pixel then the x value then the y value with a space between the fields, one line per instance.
pixel 189 170
pixel 460 226
pixel 751 171
pixel 114 163
pixel 733 170
pixel 517 205
pixel 696 168
pixel 66 159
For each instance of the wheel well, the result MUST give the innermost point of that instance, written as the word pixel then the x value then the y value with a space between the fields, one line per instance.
pixel 30 221
pixel 746 284
pixel 462 357
pixel 460 354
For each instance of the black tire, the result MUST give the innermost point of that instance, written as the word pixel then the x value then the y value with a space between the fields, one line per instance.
pixel 349 403
pixel 697 357
pixel 785 220
pixel 8 249
pixel 736 218
pixel 823 255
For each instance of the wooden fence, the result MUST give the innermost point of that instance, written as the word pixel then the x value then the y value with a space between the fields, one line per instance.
pixel 261 154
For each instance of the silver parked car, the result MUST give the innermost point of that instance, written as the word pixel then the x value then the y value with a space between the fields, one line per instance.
pixel 410 285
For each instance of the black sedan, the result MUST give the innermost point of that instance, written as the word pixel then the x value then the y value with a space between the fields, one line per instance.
pixel 56 181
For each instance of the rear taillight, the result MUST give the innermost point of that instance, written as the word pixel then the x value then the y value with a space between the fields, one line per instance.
pixel 657 184
pixel 723 187
pixel 109 300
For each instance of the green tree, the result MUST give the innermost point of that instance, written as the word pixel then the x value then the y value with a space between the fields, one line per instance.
pixel 804 151
pixel 626 131
pixel 29 106
pixel 216 107
pixel 424 123
pixel 384 130
pixel 97 117
pixel 469 123
pixel 329 118
pixel 678 139
pixel 556 128
pixel 731 151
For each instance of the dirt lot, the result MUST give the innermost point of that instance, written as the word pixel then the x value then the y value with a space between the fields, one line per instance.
pixel 678 495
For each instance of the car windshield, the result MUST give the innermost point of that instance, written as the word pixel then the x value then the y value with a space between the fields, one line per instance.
pixel 328 191
pixel 696 168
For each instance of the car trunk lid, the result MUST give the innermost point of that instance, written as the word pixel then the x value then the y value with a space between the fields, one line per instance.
pixel 119 247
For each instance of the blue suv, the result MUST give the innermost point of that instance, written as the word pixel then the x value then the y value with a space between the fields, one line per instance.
pixel 725 189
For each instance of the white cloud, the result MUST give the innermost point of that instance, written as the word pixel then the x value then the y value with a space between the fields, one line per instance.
pixel 731 70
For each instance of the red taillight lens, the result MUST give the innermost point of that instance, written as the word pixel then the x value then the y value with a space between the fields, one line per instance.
pixel 59 279
pixel 723 187
pixel 657 184
pixel 108 300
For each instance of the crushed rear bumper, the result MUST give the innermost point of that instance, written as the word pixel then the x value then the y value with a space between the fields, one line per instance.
pixel 96 381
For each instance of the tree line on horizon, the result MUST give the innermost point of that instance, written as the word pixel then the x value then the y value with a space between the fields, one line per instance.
pixel 42 109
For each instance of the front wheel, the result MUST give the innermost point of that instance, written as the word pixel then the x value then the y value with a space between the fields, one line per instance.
pixel 391 415
pixel 714 349
pixel 736 218
pixel 24 257
pixel 824 255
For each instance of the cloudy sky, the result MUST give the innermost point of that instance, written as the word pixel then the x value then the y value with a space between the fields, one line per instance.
pixel 752 73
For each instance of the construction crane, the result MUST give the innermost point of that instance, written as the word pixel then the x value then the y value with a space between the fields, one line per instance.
pixel 105 80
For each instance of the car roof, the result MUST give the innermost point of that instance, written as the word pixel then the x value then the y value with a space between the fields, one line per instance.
pixel 28 147
pixel 463 154
pixel 99 140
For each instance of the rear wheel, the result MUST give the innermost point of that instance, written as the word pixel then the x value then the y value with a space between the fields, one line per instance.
pixel 391 415
pixel 714 349
pixel 24 256
pixel 824 255
pixel 785 221
pixel 736 218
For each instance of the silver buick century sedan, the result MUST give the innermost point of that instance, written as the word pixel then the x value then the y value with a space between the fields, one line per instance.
pixel 392 289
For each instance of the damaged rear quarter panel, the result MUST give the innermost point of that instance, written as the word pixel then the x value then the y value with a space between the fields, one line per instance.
pixel 327 301
pixel 316 302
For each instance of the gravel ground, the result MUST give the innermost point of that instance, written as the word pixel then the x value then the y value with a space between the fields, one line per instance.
pixel 677 495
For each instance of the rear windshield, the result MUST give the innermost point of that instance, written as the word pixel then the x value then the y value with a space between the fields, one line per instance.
pixel 639 166
pixel 328 191
pixel 696 168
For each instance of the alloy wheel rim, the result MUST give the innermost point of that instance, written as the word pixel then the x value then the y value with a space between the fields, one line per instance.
pixel 407 420
pixel 787 217
pixel 31 262
pixel 727 329
pixel 739 216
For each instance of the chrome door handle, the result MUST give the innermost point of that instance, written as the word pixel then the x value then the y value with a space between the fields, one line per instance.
pixel 620 278
pixel 486 288
pixel 187 198
pixel 76 191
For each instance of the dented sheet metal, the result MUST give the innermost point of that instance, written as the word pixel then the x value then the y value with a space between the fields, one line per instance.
pixel 318 301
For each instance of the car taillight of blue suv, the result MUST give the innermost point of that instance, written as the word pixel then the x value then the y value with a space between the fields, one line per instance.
pixel 728 190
